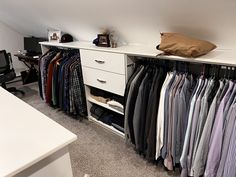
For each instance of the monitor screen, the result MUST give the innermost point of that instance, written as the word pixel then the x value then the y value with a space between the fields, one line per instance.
pixel 31 44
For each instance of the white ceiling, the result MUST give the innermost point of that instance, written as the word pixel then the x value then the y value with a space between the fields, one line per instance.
pixel 136 21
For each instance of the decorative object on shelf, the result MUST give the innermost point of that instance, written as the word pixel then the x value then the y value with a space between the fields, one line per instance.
pixel 103 40
pixel 181 45
pixel 66 38
pixel 113 39
pixel 95 41
pixel 54 36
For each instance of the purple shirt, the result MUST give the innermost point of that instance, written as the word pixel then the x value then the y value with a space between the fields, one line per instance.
pixel 216 137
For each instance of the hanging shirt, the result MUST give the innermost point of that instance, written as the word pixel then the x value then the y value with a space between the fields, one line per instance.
pixel 127 87
pixel 71 88
pixel 55 86
pixel 49 78
pixel 229 103
pixel 40 73
pixel 160 116
pixel 202 118
pixel 228 130
pixel 213 158
pixel 184 101
pixel 148 117
pixel 166 114
pixel 230 165
pixel 183 158
pixel 176 106
pixel 44 70
pixel 194 126
pixel 78 90
pixel 168 160
pixel 140 112
pixel 130 100
pixel 151 138
pixel 201 155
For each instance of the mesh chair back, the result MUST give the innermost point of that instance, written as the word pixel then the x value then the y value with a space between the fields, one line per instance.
pixel 4 62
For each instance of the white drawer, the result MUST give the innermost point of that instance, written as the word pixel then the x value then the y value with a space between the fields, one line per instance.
pixel 111 82
pixel 106 61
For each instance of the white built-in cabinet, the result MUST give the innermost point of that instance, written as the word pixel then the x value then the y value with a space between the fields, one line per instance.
pixel 110 68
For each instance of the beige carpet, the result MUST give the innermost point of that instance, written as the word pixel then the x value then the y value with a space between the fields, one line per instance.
pixel 97 152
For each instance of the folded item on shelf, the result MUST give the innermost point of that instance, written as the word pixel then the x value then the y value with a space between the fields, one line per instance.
pixel 98 92
pixel 106 95
pixel 96 111
pixel 107 119
pixel 100 99
pixel 117 98
pixel 116 105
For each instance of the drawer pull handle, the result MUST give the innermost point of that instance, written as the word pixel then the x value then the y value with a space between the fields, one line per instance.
pixel 102 81
pixel 100 61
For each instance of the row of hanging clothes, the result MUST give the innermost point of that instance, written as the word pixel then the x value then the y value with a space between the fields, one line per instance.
pixel 61 82
pixel 183 114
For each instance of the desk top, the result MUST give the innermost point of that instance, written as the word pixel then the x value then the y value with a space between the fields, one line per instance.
pixel 26 135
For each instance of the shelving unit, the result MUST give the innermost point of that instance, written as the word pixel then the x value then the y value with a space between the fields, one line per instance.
pixel 98 65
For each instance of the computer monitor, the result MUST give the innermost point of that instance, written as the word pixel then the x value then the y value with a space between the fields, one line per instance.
pixel 32 46
pixel 4 61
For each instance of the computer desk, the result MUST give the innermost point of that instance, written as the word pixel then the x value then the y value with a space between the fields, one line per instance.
pixel 32 64
pixel 29 61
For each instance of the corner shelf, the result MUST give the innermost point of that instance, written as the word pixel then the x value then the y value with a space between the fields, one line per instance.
pixel 108 127
pixel 90 99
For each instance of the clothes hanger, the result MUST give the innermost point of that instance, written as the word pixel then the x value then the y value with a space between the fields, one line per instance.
pixel 186 67
pixel 215 72
pixel 203 71
pixel 175 66
pixel 234 72
pixel 225 71
pixel 228 72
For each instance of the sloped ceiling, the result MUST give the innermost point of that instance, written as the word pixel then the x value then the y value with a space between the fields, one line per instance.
pixel 135 21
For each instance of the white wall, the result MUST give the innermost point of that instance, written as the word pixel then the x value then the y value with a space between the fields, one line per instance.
pixel 137 21
pixel 12 41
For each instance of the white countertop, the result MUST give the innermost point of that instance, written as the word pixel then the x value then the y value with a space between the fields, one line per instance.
pixel 26 135
pixel 217 56
pixel 138 50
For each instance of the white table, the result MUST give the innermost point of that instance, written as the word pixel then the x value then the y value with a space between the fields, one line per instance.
pixel 31 144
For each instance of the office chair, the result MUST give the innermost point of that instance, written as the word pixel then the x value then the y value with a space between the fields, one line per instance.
pixel 7 72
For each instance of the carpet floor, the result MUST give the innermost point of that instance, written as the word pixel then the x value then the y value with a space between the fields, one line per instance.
pixel 97 152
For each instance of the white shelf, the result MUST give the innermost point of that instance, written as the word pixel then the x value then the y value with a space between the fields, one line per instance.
pixel 136 50
pixel 104 105
pixel 217 56
pixel 108 127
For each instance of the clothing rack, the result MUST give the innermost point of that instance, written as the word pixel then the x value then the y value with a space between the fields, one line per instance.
pixel 61 82
pixel 213 63
pixel 210 78
pixel 214 70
